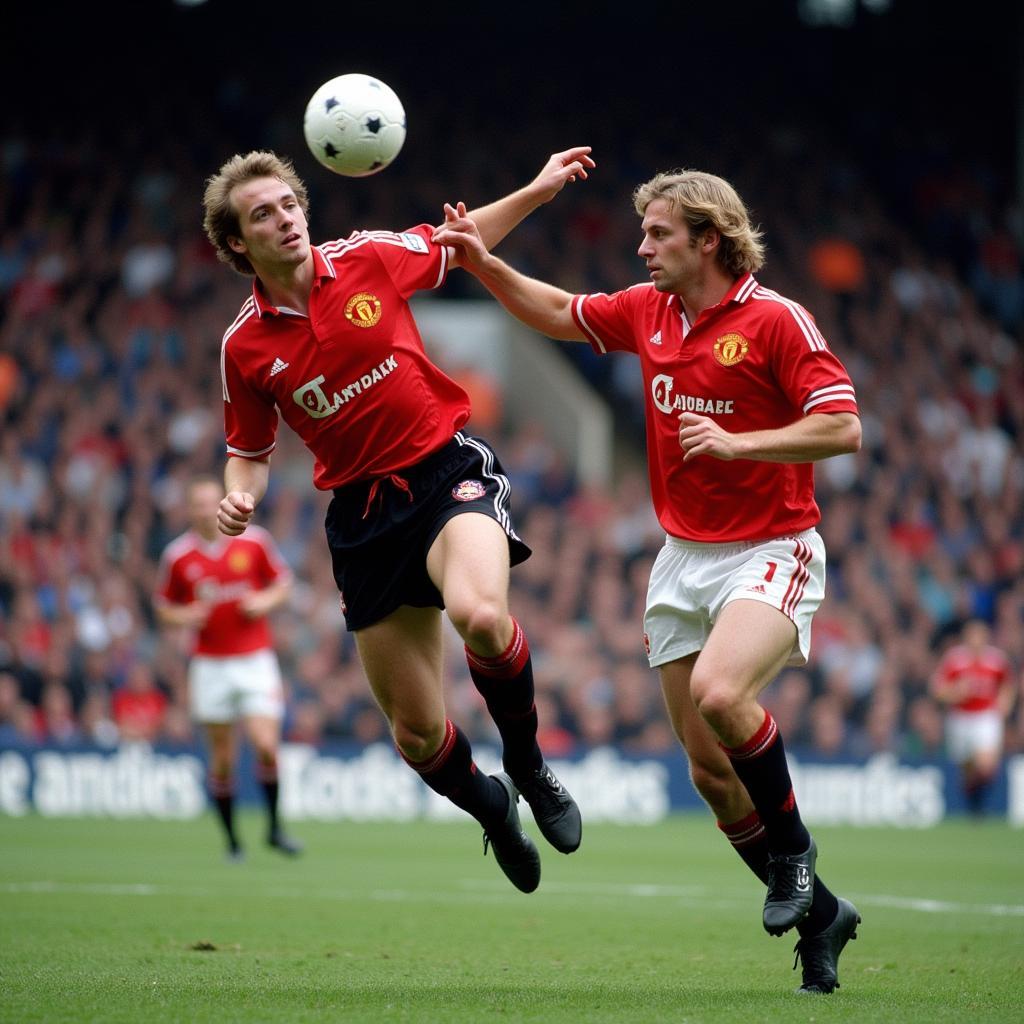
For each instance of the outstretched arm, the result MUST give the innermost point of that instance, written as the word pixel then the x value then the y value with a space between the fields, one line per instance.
pixel 543 307
pixel 497 219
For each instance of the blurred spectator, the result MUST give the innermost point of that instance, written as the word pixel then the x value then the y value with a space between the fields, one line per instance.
pixel 97 721
pixel 827 727
pixel 55 717
pixel 17 720
pixel 925 738
pixel 787 699
pixel 305 723
pixel 139 706
pixel 111 315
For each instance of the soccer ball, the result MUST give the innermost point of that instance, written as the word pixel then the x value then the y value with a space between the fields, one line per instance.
pixel 354 125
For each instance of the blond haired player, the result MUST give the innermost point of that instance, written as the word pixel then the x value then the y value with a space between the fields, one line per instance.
pixel 742 395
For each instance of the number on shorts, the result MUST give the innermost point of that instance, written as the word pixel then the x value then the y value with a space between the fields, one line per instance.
pixel 772 566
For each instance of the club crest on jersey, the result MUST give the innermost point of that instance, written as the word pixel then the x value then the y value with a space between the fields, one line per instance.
pixel 363 309
pixel 238 561
pixel 468 490
pixel 731 348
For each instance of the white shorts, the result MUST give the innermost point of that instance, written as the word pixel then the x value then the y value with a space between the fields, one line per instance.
pixel 238 686
pixel 691 583
pixel 973 732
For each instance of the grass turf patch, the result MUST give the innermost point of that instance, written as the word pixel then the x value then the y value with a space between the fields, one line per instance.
pixel 144 921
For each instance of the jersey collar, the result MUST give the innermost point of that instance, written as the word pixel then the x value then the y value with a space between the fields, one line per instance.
pixel 740 292
pixel 322 268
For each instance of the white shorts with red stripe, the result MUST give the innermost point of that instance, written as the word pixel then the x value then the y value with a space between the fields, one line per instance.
pixel 969 733
pixel 236 686
pixel 691 583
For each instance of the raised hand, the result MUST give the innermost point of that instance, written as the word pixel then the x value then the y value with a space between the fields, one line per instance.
pixel 561 168
pixel 460 231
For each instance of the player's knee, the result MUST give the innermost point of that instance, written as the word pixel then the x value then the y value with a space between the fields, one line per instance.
pixel 482 624
pixel 716 702
pixel 266 754
pixel 418 741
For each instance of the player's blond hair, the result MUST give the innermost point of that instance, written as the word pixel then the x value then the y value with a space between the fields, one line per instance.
pixel 707 201
pixel 220 218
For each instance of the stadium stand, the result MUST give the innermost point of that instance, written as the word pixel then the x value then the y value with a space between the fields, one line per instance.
pixel 111 312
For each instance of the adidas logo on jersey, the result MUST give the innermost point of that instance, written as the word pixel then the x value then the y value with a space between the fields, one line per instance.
pixel 656 338
pixel 278 366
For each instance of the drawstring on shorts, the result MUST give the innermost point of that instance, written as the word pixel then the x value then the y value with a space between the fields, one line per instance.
pixel 398 481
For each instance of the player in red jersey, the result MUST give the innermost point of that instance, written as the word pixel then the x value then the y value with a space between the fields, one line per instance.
pixel 224 588
pixel 974 680
pixel 742 395
pixel 420 515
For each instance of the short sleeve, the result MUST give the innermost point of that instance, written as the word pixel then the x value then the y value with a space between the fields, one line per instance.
pixel 250 418
pixel 808 371
pixel 610 322
pixel 413 262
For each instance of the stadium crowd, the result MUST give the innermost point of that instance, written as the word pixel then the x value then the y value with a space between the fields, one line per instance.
pixel 112 309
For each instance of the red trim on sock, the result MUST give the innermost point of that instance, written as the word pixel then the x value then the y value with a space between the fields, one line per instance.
pixel 438 758
pixel 745 831
pixel 221 787
pixel 789 803
pixel 506 665
pixel 757 744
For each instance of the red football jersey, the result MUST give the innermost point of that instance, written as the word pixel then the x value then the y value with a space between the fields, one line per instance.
pixel 985 672
pixel 352 379
pixel 756 361
pixel 223 571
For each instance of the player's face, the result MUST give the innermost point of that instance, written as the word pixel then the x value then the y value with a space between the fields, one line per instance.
pixel 274 233
pixel 673 257
pixel 203 503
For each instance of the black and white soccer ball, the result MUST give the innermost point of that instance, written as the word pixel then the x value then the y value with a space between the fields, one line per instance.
pixel 354 125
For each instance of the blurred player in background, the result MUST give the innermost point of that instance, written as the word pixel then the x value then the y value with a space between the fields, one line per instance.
pixel 742 395
pixel 420 516
pixel 974 681
pixel 224 588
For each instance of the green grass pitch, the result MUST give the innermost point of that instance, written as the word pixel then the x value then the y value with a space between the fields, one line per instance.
pixel 144 921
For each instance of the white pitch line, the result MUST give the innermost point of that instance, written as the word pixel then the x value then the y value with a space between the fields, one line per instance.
pixel 496 891
pixel 694 893
pixel 84 888
pixel 926 906
pixel 642 889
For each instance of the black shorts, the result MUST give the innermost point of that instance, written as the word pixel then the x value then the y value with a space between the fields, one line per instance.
pixel 379 532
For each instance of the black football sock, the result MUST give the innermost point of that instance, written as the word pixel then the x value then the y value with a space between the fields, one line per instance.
pixel 976 796
pixel 452 772
pixel 267 773
pixel 223 796
pixel 750 841
pixel 506 685
pixel 761 766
